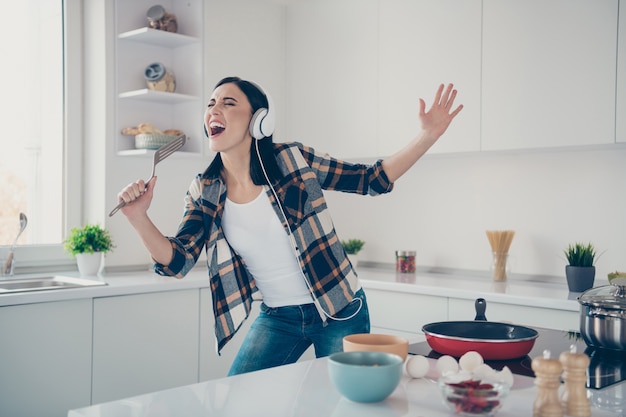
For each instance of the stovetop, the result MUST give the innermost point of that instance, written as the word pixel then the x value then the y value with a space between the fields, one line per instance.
pixel 606 367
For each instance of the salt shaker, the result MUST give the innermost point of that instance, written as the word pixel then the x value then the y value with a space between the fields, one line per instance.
pixel 574 397
pixel 547 379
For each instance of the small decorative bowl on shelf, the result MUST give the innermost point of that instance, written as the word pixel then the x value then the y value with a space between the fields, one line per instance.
pixel 471 396
pixel 152 140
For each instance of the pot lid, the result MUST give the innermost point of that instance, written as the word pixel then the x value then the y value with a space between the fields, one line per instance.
pixel 606 296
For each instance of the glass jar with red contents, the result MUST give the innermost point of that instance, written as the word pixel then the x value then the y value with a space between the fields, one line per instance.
pixel 405 261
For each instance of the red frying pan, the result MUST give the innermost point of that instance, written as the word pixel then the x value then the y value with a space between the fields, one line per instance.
pixel 493 340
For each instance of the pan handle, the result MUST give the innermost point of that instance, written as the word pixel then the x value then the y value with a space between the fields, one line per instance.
pixel 481 305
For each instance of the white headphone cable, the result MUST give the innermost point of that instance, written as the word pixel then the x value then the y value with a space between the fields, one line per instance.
pixel 293 243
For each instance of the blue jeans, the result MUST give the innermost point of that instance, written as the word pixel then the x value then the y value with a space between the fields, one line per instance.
pixel 279 336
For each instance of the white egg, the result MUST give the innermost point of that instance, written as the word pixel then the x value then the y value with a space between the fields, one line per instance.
pixel 506 376
pixel 471 360
pixel 484 371
pixel 447 365
pixel 417 366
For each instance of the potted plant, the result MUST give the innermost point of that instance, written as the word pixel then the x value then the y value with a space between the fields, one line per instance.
pixel 89 244
pixel 580 272
pixel 352 248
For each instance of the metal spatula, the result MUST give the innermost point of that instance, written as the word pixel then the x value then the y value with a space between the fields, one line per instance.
pixel 159 155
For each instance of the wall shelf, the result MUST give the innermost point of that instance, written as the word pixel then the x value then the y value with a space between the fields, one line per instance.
pixel 158 37
pixel 138 46
pixel 157 96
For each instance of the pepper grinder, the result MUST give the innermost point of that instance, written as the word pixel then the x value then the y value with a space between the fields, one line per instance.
pixel 574 397
pixel 547 379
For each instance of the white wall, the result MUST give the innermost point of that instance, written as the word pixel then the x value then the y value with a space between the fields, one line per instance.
pixel 442 207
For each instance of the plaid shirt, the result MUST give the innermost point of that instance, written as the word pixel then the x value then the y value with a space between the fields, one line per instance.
pixel 332 281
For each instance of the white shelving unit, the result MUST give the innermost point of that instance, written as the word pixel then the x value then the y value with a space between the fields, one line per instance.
pixel 138 46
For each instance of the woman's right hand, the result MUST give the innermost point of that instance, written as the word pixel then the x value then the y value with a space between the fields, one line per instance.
pixel 138 196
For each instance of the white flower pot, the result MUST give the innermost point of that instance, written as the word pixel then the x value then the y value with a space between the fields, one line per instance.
pixel 354 260
pixel 89 263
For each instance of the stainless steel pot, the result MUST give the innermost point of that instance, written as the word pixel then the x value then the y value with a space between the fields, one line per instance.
pixel 603 317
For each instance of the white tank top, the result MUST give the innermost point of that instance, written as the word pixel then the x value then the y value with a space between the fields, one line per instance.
pixel 255 232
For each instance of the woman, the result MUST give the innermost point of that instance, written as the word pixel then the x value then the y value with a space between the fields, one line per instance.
pixel 259 211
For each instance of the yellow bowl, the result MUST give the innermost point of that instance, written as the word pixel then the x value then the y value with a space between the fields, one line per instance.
pixel 372 342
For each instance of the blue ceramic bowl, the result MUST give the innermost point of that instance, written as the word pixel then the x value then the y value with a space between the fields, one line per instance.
pixel 365 377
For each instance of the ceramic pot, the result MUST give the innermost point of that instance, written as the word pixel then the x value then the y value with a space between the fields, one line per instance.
pixel 354 260
pixel 89 263
pixel 580 278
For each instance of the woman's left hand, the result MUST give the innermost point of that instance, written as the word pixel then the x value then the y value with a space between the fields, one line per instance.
pixel 436 120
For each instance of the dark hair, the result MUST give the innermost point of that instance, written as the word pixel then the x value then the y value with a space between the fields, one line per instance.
pixel 257 99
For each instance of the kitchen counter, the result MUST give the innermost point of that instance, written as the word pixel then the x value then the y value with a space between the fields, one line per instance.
pixel 457 285
pixel 304 389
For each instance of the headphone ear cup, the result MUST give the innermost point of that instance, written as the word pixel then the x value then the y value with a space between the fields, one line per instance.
pixel 258 128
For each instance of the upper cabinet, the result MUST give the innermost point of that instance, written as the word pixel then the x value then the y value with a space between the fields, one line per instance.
pixel 332 75
pixel 180 52
pixel 423 44
pixel 548 73
pixel 620 133
pixel 356 70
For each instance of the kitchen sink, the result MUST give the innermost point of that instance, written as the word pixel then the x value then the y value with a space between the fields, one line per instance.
pixel 55 282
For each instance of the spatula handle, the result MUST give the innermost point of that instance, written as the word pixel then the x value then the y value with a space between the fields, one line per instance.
pixel 117 208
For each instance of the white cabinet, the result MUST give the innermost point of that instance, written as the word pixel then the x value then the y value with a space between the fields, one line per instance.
pixel 356 70
pixel 620 133
pixel 138 46
pixel 144 343
pixel 332 76
pixel 46 358
pixel 523 315
pixel 404 312
pixel 548 73
pixel 421 45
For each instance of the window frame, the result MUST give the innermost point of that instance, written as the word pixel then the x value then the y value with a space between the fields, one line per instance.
pixel 35 258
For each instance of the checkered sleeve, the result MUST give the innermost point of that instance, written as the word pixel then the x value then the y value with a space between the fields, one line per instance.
pixel 338 175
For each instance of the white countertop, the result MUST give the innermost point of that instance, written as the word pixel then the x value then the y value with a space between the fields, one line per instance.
pixel 304 389
pixel 521 292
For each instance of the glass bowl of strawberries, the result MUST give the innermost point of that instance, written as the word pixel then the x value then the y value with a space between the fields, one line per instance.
pixel 470 396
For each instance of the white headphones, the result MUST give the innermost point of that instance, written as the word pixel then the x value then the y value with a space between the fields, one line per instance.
pixel 263 120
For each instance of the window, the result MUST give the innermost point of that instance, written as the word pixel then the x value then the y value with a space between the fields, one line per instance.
pixel 41 74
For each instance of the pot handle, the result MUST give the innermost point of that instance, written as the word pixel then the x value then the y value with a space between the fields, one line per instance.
pixel 480 305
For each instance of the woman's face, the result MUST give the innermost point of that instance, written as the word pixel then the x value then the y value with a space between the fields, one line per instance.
pixel 227 119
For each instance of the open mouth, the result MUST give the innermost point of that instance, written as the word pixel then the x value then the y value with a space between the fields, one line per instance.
pixel 216 128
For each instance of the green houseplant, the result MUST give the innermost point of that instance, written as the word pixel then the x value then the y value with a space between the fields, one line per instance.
pixel 88 244
pixel 580 272
pixel 352 248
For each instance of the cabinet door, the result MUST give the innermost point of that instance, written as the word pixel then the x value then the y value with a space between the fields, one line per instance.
pixel 332 75
pixel 144 343
pixel 404 312
pixel 621 77
pixel 548 73
pixel 46 358
pixel 521 315
pixel 423 44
